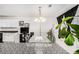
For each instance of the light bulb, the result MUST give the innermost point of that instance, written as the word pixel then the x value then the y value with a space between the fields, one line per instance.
pixel 40 19
pixel 36 19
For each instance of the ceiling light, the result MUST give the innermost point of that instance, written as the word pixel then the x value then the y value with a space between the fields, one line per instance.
pixel 40 19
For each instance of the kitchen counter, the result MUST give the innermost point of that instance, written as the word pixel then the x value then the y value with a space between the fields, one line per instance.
pixel 10 34
pixel 8 31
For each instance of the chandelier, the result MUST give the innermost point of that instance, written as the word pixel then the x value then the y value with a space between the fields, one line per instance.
pixel 40 19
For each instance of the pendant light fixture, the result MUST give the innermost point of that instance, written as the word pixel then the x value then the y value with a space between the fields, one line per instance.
pixel 40 19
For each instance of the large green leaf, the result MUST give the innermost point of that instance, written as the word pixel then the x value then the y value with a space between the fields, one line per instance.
pixel 67 18
pixel 74 26
pixel 64 20
pixel 69 40
pixel 76 30
pixel 76 34
pixel 76 52
pixel 63 33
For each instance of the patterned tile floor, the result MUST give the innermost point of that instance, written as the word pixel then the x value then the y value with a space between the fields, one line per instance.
pixel 31 48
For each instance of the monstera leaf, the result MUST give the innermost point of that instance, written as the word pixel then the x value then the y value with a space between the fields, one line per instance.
pixel 76 52
pixel 63 33
pixel 64 20
pixel 69 40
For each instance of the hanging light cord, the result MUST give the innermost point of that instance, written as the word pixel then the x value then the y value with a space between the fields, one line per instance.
pixel 40 19
pixel 39 11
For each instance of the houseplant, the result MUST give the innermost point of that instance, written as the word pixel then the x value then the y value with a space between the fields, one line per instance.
pixel 49 35
pixel 69 35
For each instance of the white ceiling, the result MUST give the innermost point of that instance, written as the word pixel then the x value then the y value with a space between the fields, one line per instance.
pixel 31 10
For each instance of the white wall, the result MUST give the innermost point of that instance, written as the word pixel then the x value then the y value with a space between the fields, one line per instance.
pixel 34 27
